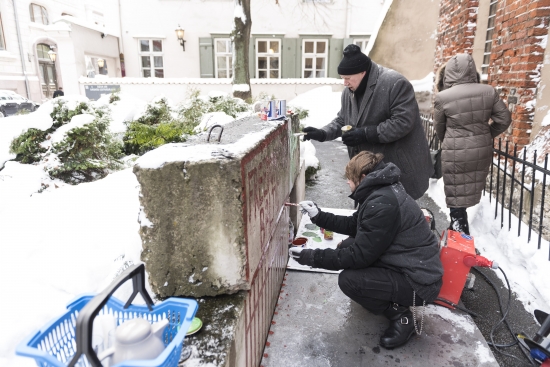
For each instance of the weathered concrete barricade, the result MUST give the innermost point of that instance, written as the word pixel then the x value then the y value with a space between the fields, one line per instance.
pixel 209 210
pixel 213 222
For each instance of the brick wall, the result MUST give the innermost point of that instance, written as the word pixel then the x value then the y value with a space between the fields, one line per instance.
pixel 516 59
pixel 456 29
pixel 519 41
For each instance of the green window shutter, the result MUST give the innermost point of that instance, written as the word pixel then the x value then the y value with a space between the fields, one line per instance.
pixel 290 57
pixel 336 46
pixel 206 54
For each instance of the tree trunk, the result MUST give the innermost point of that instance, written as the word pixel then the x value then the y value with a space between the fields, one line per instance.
pixel 241 42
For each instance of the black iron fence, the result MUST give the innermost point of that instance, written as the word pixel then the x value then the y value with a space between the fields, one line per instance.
pixel 515 183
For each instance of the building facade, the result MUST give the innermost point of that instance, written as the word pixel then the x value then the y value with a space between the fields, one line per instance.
pixel 137 38
pixel 508 42
pixel 289 39
pixel 49 44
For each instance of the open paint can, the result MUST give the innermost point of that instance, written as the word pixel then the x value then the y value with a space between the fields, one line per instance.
pixel 300 242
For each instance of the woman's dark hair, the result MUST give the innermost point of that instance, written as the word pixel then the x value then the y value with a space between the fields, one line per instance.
pixel 362 164
pixel 439 78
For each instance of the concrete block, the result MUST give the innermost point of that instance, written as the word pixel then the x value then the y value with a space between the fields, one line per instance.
pixel 210 210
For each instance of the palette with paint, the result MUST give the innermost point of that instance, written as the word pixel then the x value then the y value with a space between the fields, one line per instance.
pixel 316 239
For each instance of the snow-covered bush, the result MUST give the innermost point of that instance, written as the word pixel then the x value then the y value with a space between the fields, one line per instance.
pixel 78 146
pixel 141 138
pixel 229 105
pixel 86 153
pixel 64 110
pixel 27 146
pixel 196 106
pixel 158 125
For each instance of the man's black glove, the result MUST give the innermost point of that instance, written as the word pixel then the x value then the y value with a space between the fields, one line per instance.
pixel 315 134
pixel 302 256
pixel 355 137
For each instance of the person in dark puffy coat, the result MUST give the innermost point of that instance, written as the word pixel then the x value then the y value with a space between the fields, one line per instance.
pixel 381 106
pixel 392 262
pixel 467 116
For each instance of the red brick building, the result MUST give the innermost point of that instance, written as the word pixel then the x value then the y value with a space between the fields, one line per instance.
pixel 507 39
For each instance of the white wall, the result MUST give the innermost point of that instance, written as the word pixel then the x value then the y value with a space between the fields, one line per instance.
pixel 202 18
pixel 85 12
pixel 178 89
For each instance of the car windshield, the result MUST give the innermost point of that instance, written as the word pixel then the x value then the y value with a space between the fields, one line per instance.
pixel 4 96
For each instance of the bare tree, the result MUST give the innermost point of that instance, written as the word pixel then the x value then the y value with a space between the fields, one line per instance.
pixel 241 43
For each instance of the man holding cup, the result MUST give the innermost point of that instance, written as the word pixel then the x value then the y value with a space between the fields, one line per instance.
pixel 380 106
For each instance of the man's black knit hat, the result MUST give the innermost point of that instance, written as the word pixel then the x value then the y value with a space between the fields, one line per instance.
pixel 354 61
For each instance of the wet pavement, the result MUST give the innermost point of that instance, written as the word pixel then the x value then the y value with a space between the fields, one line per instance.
pixel 315 324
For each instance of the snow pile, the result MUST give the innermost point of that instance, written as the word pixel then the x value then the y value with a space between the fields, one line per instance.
pixel 308 153
pixel 424 85
pixel 322 103
pixel 11 127
pixel 211 119
pixel 526 267
pixel 123 110
pixel 57 245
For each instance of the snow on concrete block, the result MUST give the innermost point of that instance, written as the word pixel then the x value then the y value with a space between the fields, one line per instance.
pixel 211 209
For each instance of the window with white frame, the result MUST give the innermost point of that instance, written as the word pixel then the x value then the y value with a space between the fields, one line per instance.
pixel 152 63
pixel 489 39
pixel 39 14
pixel 2 42
pixel 361 42
pixel 223 56
pixel 314 58
pixel 268 58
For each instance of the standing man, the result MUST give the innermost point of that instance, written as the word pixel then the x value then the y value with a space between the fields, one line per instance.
pixel 381 106
pixel 58 93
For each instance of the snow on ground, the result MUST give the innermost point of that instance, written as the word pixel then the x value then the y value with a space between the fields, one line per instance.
pixel 526 267
pixel 424 85
pixel 59 244
pixel 63 242
pixel 323 105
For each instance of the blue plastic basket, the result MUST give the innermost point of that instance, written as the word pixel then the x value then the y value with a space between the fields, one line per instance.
pixel 56 343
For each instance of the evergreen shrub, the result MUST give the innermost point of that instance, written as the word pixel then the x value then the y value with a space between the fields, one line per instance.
pixel 27 146
pixel 87 153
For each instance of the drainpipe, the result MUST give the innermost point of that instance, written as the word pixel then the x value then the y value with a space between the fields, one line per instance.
pixel 120 41
pixel 348 20
pixel 21 50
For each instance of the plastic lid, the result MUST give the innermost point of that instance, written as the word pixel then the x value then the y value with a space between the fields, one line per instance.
pixel 196 324
pixel 133 331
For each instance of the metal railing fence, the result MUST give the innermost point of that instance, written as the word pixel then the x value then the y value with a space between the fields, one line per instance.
pixel 512 184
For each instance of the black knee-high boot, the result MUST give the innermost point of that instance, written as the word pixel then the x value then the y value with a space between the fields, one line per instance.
pixel 401 326
pixel 459 220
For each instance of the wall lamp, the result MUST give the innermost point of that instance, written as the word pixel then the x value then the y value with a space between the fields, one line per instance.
pixel 179 34
pixel 53 55
pixel 100 62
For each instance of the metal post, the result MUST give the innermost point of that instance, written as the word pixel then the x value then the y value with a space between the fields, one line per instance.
pixel 521 191
pixel 512 187
pixel 542 199
pixel 532 197
pixel 498 176
pixel 21 49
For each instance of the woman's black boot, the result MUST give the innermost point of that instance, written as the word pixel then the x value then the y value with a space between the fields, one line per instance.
pixel 459 220
pixel 401 326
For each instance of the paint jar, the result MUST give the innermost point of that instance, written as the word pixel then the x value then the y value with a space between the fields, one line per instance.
pixel 322 230
pixel 272 110
pixel 328 235
pixel 281 107
pixel 300 242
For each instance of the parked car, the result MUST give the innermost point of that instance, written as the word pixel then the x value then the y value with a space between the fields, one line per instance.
pixel 11 103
